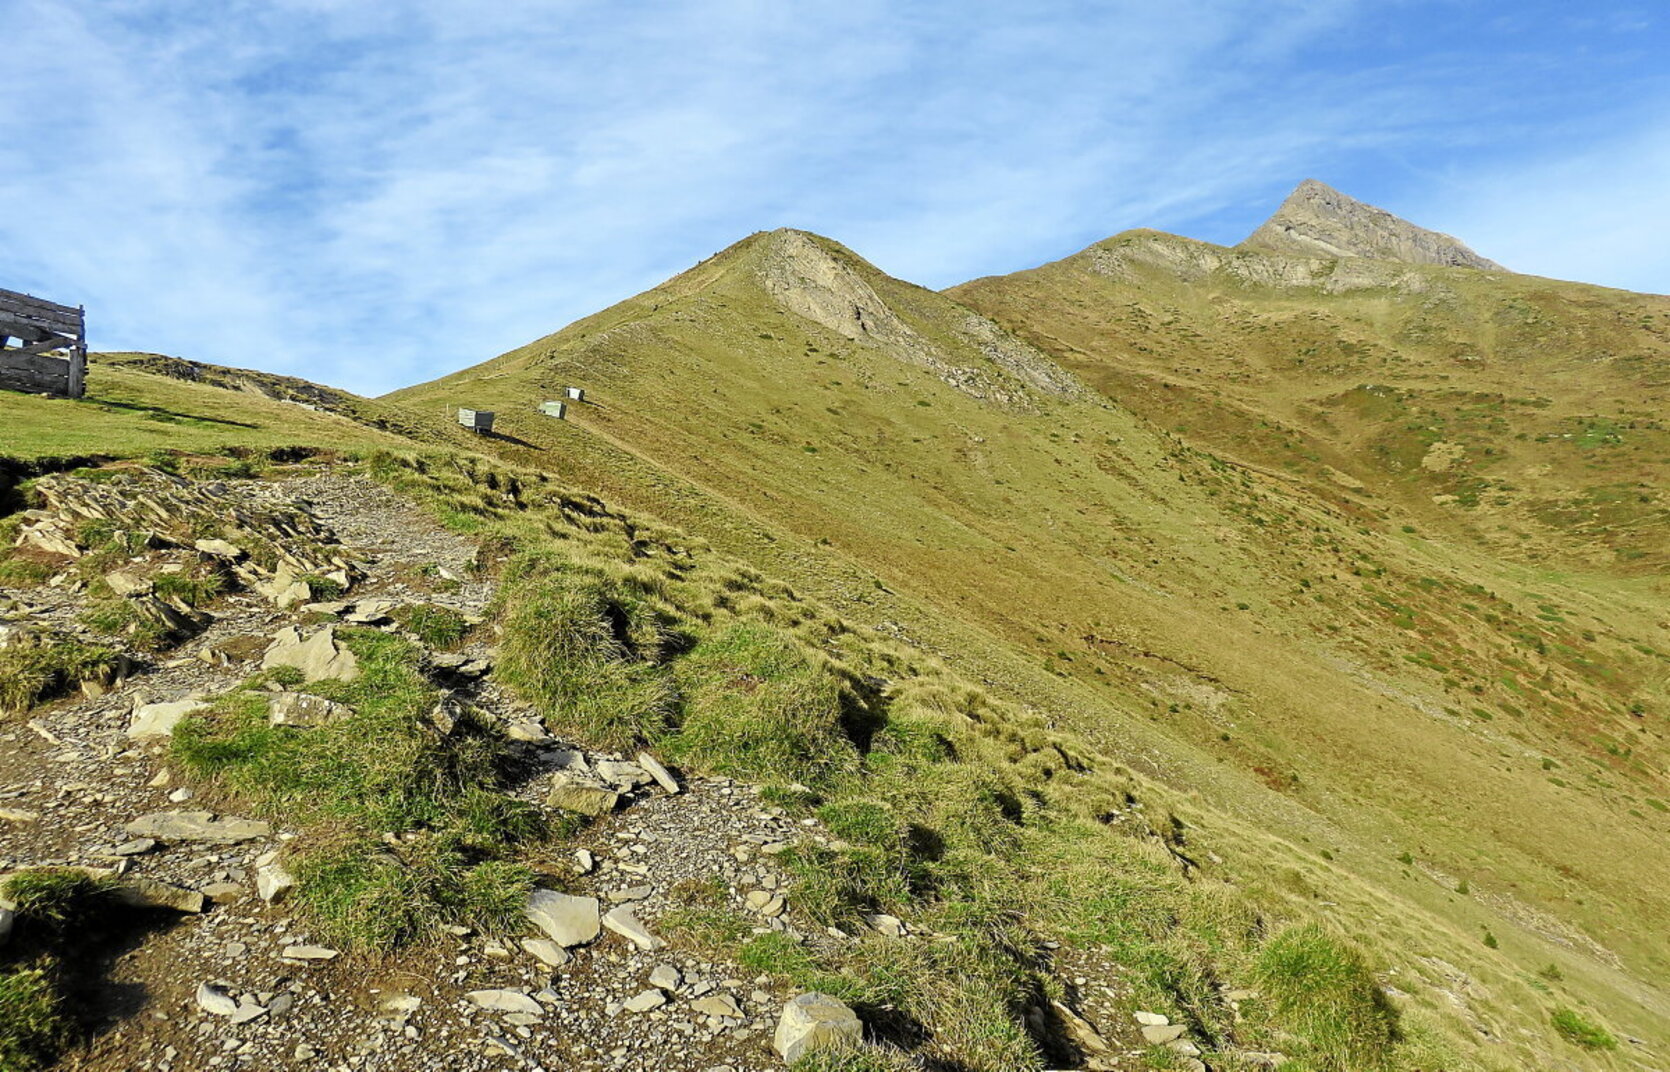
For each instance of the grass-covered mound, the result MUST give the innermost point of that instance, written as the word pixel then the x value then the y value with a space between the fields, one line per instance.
pixel 404 764
pixel 55 908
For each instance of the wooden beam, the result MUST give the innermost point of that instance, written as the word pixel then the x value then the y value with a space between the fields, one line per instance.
pixel 39 303
pixel 20 371
pixel 37 315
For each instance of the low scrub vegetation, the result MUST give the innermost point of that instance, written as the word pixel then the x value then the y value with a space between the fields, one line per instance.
pixel 36 669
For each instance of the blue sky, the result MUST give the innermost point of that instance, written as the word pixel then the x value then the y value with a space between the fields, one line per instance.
pixel 374 193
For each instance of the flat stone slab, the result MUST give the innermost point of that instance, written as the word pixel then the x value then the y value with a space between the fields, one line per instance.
pixel 568 920
pixel 159 719
pixel 197 826
pixel 624 922
pixel 512 1001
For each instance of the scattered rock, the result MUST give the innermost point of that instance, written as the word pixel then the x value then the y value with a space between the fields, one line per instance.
pixel 644 1002
pixel 1087 1037
pixel 666 977
pixel 662 776
pixel 1150 1019
pixel 573 794
pixel 19 815
pixel 570 921
pixel 624 922
pixel 309 952
pixel 217 999
pixel 318 657
pixel 159 719
pixel 1160 1034
pixel 196 826
pixel 547 952
pixel 512 1001
pixel 304 709
pixel 717 1005
pixel 622 775
pixel 812 1022
pixel 765 902
pixel 273 882
pixel 529 732
pixel 136 847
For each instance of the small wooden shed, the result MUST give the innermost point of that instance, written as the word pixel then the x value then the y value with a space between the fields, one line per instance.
pixel 42 326
pixel 479 421
pixel 577 394
pixel 554 409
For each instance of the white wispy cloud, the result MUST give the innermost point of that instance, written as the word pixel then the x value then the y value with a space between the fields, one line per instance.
pixel 375 193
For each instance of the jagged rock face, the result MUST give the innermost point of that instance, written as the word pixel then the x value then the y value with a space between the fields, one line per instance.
pixel 1317 220
pixel 809 281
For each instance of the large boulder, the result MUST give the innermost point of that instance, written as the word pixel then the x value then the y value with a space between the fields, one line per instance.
pixel 813 1022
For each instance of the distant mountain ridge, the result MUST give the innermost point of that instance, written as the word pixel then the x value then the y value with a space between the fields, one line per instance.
pixel 1317 220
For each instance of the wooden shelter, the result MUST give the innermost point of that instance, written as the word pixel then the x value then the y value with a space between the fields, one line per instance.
pixel 41 327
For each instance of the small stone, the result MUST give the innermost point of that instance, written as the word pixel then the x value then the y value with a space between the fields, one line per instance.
pixel 529 732
pixel 304 709
pixel 273 882
pixel 631 893
pixel 309 952
pixel 247 1011
pixel 136 847
pixel 546 952
pixel 216 999
pixel 1150 1019
pixel 513 1001
pixel 159 719
pixel 766 903
pixel 223 892
pixel 624 922
pixel 1160 1034
pixel 891 926
pixel 571 793
pixel 644 1002
pixel 717 1005
pixel 813 1022
pixel 584 861
pixel 181 795
pixel 621 774
pixel 318 657
pixel 196 826
pixel 662 776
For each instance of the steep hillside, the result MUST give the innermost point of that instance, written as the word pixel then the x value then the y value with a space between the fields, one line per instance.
pixel 1317 220
pixel 1333 662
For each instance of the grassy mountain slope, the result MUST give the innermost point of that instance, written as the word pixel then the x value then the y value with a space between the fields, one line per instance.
pixel 1454 744
pixel 1526 414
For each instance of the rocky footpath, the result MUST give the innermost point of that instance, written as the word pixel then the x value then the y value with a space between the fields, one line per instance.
pixel 219 973
pixel 628 960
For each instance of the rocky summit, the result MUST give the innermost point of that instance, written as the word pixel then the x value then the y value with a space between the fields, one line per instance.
pixel 1317 220
pixel 1172 656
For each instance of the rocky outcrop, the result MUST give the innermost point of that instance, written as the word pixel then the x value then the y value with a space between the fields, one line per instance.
pixel 1317 220
pixel 813 1022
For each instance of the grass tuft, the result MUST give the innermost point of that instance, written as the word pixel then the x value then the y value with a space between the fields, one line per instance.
pixel 1320 988
pixel 1578 1030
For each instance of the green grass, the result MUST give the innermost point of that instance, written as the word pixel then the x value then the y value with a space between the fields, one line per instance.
pixel 32 1020
pixel 1578 1030
pixel 384 769
pixel 437 627
pixel 1321 987
pixel 586 652
pixel 33 673
pixel 757 705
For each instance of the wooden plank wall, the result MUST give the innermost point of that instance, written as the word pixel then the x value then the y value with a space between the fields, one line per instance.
pixel 41 326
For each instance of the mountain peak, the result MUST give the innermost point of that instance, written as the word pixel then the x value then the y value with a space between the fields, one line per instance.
pixel 1317 220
